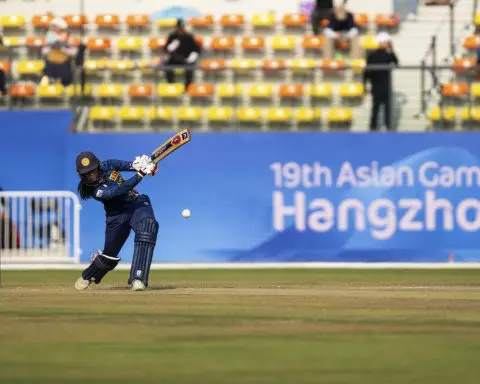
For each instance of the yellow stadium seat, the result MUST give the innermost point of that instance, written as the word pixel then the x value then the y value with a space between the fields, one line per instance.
pixel 249 114
pixel 12 41
pixel 160 113
pixel 358 65
pixel 302 65
pixel 320 91
pixel 476 20
pixel 340 115
pixel 100 113
pixel 260 91
pixel 308 115
pixel 447 114
pixel 475 89
pixel 243 65
pixel 219 113
pixel 353 90
pixel 76 90
pixel 110 90
pixel 130 43
pixel 226 91
pixel 472 113
pixel 94 66
pixel 12 21
pixel 189 113
pixel 279 114
pixel 170 90
pixel 132 113
pixel 120 66
pixel 263 20
pixel 283 43
pixel 50 91
pixel 30 67
pixel 166 23
pixel 369 43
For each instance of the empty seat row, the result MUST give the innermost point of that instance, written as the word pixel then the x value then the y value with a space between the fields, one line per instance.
pixel 258 91
pixel 223 44
pixel 450 114
pixel 224 114
pixel 258 20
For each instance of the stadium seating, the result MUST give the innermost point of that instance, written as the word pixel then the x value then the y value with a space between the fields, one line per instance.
pixel 262 66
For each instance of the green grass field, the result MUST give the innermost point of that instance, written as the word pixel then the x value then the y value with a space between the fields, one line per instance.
pixel 243 326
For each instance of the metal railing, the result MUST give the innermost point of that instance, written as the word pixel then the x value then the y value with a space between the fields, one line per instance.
pixel 39 227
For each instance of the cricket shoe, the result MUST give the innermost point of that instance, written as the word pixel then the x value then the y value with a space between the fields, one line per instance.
pixel 137 285
pixel 81 284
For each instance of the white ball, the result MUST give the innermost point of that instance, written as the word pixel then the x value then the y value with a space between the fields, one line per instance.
pixel 186 213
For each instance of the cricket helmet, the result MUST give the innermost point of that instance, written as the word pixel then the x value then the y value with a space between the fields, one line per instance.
pixel 87 162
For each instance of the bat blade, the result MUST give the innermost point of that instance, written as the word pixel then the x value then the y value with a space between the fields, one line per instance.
pixel 171 145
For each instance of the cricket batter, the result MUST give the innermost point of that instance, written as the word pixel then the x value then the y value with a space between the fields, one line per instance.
pixel 125 210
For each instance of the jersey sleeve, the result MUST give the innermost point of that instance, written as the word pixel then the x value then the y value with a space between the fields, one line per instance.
pixel 120 165
pixel 107 192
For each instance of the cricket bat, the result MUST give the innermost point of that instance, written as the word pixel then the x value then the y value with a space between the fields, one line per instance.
pixel 171 145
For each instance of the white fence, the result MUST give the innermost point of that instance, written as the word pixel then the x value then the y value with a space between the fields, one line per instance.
pixel 39 227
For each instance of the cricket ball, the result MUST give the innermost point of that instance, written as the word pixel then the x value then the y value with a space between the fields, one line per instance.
pixel 186 213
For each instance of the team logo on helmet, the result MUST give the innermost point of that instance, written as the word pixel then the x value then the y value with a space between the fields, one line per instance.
pixel 85 161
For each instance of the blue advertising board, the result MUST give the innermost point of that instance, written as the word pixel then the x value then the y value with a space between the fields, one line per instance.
pixel 295 197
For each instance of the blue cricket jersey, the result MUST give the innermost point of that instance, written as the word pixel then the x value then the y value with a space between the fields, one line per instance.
pixel 116 194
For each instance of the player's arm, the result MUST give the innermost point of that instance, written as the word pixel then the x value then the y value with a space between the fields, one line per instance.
pixel 107 192
pixel 120 165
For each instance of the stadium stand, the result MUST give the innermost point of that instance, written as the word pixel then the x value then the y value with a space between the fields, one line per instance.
pixel 263 66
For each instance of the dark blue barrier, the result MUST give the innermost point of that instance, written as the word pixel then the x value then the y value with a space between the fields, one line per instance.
pixel 292 197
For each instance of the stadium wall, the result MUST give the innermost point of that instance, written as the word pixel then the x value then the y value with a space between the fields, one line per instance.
pixel 274 197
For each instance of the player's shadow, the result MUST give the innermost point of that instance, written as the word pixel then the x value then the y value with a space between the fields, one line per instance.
pixel 127 288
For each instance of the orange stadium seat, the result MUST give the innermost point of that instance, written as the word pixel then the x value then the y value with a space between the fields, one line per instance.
pixel 157 42
pixel 313 43
pixel 290 91
pixel 75 41
pixel 361 19
pixel 137 21
pixel 472 42
pixel 199 41
pixel 329 65
pixel 140 90
pixel 253 43
pixel 273 65
pixel 107 21
pixel 455 89
pixel 232 20
pixel 223 43
pixel 462 65
pixel 205 21
pixel 5 66
pixel 200 90
pixel 75 21
pixel 99 43
pixel 213 65
pixel 391 20
pixel 294 20
pixel 23 90
pixel 35 41
pixel 41 21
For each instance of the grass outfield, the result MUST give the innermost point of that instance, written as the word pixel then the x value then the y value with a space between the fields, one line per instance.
pixel 243 326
